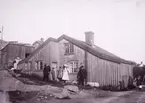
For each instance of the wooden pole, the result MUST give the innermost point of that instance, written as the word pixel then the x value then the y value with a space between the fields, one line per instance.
pixel 1 45
pixel 1 37
pixel 2 33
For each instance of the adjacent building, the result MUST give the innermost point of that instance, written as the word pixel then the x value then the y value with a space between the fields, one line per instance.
pixel 13 50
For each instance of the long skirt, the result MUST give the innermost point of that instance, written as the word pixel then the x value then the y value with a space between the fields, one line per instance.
pixel 65 75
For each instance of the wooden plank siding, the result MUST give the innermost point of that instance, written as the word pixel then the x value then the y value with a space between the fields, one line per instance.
pixel 11 51
pixel 78 54
pixel 105 72
pixel 42 55
pixel 4 54
pixel 54 53
pixel 47 54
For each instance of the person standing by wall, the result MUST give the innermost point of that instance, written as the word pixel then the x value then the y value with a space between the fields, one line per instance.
pixel 46 72
pixel 82 76
pixel 49 69
pixel 53 71
pixel 17 60
pixel 65 76
pixel 143 81
pixel 14 68
pixel 60 73
pixel 139 81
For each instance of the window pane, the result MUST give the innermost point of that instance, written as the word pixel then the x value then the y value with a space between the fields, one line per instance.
pixel 71 69
pixel 75 66
pixel 66 48
pixel 71 48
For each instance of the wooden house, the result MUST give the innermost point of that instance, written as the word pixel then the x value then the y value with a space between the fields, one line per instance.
pixel 102 66
pixel 13 50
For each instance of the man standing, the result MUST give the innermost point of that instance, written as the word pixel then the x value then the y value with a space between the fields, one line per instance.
pixel 46 72
pixel 82 76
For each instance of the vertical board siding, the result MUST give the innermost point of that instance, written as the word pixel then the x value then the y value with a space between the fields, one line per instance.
pixel 42 55
pixel 54 51
pixel 106 72
pixel 12 51
pixel 79 54
pixel 47 54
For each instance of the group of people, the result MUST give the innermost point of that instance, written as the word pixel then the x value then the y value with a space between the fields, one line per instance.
pixel 63 74
pixel 139 81
pixel 50 73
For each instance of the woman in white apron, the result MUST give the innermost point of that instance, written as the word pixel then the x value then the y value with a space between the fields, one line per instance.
pixel 65 76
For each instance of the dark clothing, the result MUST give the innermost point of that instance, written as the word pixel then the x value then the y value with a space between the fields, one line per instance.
pixel 143 81
pixel 138 81
pixel 14 62
pixel 82 76
pixel 45 77
pixel 46 72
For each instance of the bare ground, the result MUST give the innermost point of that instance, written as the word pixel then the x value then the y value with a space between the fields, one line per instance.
pixel 44 93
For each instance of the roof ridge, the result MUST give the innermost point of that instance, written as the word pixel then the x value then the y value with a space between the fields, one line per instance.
pixel 103 54
pixel 37 49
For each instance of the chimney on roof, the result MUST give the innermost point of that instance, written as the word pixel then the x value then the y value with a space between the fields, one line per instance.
pixel 89 36
pixel 42 40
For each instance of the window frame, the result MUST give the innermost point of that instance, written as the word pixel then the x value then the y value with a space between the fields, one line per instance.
pixel 69 48
pixel 74 65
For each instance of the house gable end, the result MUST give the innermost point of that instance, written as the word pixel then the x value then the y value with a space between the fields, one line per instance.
pixel 37 50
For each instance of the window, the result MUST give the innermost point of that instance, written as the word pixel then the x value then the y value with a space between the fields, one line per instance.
pixel 73 66
pixel 69 48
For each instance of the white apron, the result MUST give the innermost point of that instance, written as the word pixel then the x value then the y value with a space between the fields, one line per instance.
pixel 65 74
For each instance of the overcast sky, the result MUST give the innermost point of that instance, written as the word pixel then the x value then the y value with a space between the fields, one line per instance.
pixel 119 25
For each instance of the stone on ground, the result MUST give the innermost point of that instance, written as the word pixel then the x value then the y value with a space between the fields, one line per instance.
pixel 62 95
pixel 72 88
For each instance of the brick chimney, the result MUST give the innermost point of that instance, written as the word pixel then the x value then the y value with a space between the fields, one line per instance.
pixel 42 40
pixel 89 36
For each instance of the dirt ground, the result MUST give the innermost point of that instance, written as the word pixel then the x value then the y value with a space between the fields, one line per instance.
pixel 39 97
pixel 12 93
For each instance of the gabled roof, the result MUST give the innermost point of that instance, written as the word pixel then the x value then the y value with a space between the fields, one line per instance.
pixel 38 49
pixel 94 50
pixel 38 41
pixel 3 43
pixel 20 44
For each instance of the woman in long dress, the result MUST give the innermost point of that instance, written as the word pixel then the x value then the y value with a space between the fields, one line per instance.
pixel 60 74
pixel 65 76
